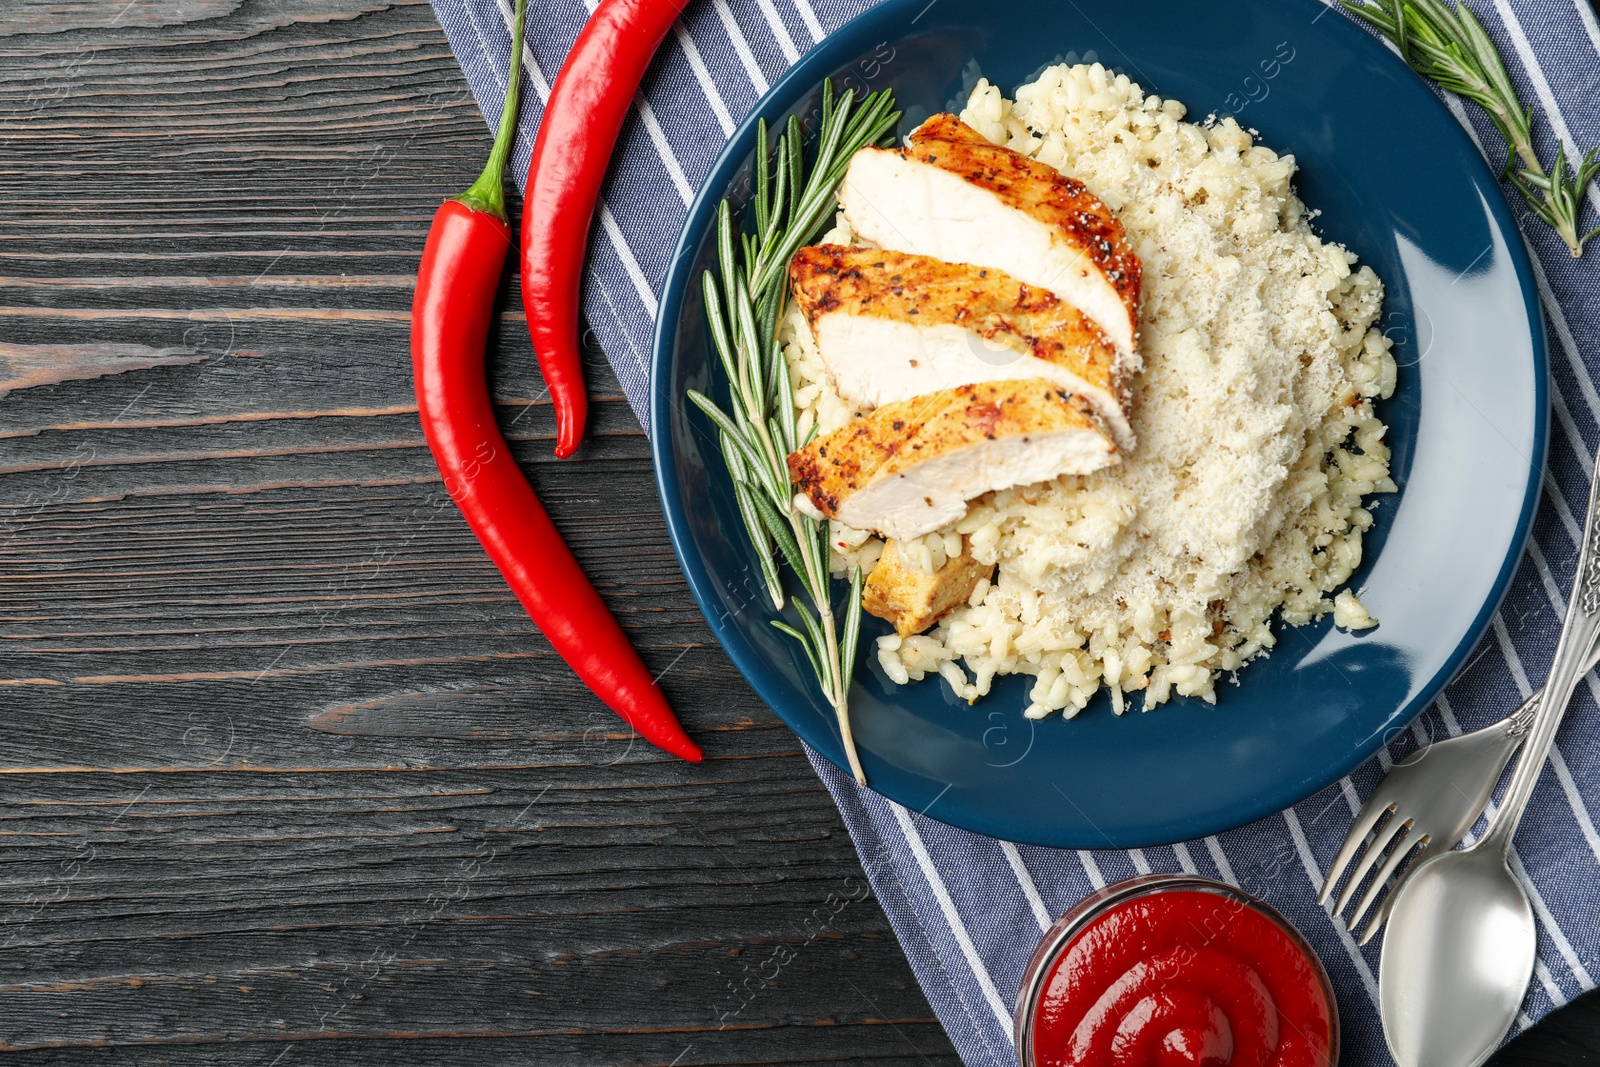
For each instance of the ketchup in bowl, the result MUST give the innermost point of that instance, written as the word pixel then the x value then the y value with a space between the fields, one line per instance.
pixel 1175 971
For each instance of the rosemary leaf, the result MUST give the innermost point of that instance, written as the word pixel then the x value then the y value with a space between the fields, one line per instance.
pixel 805 643
pixel 824 552
pixel 746 498
pixel 751 246
pixel 852 627
pixel 783 536
pixel 732 434
pixel 767 328
pixel 763 177
pixel 777 367
pixel 1444 41
pixel 731 455
pixel 759 429
pixel 775 431
pixel 785 391
pixel 816 643
pixel 719 326
pixel 753 380
pixel 725 254
pixel 831 136
pixel 797 139
pixel 780 193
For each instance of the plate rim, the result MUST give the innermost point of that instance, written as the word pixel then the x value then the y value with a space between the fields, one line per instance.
pixel 668 488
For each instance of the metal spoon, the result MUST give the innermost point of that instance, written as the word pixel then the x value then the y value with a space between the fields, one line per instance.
pixel 1461 941
pixel 1430 799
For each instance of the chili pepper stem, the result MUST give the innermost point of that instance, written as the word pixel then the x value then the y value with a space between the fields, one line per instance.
pixel 488 193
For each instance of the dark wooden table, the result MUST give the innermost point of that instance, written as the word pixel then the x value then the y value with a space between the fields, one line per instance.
pixel 289 776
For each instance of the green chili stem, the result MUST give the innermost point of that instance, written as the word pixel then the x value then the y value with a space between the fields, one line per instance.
pixel 488 193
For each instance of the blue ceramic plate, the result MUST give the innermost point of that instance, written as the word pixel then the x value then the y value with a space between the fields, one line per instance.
pixel 1400 184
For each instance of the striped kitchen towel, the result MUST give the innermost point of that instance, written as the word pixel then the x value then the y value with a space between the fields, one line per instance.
pixel 968 909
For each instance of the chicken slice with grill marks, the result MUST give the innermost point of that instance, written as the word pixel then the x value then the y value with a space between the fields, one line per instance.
pixel 890 326
pixel 909 467
pixel 952 194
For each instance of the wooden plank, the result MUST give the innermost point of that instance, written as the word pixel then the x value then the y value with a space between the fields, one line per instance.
pixel 594 900
pixel 288 775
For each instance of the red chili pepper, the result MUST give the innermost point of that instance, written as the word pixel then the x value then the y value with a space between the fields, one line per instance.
pixel 581 121
pixel 450 317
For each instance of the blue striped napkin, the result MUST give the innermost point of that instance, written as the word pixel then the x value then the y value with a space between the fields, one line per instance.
pixel 968 909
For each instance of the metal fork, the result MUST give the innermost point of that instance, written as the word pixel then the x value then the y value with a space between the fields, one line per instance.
pixel 1432 798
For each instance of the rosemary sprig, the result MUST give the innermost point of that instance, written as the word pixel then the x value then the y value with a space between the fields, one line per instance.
pixel 1446 43
pixel 759 429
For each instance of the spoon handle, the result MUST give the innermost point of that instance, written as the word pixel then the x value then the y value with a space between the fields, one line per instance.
pixel 1578 634
pixel 1519 722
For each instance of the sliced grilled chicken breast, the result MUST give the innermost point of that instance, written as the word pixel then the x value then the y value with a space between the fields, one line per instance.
pixel 953 194
pixel 891 326
pixel 908 468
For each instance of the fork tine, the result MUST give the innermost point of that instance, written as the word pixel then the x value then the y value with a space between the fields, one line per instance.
pixel 1375 923
pixel 1393 832
pixel 1380 915
pixel 1366 819
pixel 1401 850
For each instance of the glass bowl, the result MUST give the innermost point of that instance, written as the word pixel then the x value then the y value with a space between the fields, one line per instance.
pixel 1064 932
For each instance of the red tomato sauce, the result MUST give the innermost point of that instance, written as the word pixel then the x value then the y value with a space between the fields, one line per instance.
pixel 1183 978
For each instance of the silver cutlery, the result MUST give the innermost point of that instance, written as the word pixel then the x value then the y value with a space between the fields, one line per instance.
pixel 1431 798
pixel 1461 942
